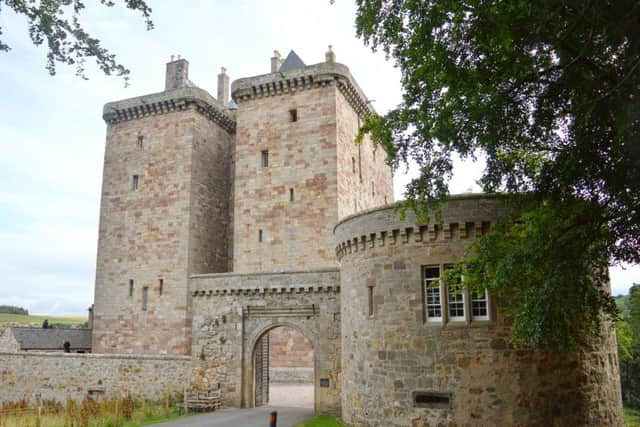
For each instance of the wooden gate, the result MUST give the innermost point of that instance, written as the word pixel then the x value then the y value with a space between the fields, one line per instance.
pixel 262 370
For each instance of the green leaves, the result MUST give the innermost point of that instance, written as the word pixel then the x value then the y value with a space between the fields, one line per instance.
pixel 67 41
pixel 549 93
pixel 547 265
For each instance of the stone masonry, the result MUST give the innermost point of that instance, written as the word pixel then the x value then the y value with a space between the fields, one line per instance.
pixel 218 229
pixel 291 356
pixel 463 368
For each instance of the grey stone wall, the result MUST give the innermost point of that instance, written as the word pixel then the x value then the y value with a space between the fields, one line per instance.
pixel 232 311
pixel 393 353
pixel 60 376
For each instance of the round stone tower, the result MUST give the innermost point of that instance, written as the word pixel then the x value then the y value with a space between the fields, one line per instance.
pixel 419 352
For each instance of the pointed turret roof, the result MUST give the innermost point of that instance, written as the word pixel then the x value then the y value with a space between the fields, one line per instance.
pixel 292 61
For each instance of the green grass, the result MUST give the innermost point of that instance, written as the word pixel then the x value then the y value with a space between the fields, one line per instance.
pixel 321 421
pixel 37 320
pixel 631 417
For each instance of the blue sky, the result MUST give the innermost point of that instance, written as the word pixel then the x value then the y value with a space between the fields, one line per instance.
pixel 52 134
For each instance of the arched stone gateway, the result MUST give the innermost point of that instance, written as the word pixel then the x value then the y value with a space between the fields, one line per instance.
pixel 262 357
pixel 233 312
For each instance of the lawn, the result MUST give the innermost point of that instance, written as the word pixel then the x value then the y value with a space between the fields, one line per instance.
pixel 321 421
pixel 631 417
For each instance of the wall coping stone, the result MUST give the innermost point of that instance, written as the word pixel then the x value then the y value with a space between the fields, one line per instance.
pixel 181 99
pixel 267 273
pixel 235 283
pixel 96 355
pixel 398 203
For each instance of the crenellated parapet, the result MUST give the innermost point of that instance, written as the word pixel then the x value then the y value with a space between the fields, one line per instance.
pixel 268 283
pixel 465 217
pixel 181 99
pixel 303 78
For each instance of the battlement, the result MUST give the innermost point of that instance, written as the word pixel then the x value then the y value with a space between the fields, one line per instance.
pixel 303 78
pixel 463 217
pixel 181 99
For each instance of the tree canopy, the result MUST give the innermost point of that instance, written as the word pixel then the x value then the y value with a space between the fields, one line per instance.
pixel 56 23
pixel 549 94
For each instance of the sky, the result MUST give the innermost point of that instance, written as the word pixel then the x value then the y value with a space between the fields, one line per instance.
pixel 52 134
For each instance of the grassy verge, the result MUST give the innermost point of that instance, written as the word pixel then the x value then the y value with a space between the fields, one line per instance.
pixel 631 417
pixel 321 421
pixel 108 412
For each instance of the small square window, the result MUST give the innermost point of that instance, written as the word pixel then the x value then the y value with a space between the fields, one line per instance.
pixel 265 158
pixel 293 115
pixel 145 298
pixel 135 183
pixel 140 142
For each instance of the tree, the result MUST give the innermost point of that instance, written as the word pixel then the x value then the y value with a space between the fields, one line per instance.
pixel 549 93
pixel 66 39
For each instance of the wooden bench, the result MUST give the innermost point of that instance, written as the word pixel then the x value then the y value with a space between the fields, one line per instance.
pixel 203 400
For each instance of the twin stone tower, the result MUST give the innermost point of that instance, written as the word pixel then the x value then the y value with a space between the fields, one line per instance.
pixel 221 220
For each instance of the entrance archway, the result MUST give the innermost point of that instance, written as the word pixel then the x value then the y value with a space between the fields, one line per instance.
pixel 284 368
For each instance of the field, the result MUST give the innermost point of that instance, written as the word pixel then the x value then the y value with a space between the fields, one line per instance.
pixel 22 320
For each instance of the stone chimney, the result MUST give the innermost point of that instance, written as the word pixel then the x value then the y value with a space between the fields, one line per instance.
pixel 330 56
pixel 177 73
pixel 223 86
pixel 276 61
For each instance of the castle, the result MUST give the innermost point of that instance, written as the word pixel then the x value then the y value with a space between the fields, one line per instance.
pixel 223 219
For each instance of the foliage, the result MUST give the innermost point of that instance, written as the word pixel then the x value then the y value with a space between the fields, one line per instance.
pixel 533 247
pixel 628 336
pixel 321 421
pixel 10 309
pixel 57 23
pixel 549 93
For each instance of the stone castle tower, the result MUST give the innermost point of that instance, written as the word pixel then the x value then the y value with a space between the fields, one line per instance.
pixel 192 186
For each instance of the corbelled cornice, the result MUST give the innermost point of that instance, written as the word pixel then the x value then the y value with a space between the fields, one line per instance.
pixel 182 99
pixel 304 78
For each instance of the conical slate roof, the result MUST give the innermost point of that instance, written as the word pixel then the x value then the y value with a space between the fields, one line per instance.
pixel 292 61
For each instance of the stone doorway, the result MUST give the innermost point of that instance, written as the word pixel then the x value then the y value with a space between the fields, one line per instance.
pixel 284 374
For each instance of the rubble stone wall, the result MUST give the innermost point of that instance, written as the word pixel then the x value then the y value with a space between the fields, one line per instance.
pixel 290 356
pixel 60 376
pixel 467 369
pixel 232 311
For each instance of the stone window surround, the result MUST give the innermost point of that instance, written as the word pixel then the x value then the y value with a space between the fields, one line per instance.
pixel 444 319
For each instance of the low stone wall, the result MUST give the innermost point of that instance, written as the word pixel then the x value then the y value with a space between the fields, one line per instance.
pixel 62 376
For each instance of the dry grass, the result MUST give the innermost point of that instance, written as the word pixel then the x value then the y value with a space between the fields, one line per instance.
pixel 123 412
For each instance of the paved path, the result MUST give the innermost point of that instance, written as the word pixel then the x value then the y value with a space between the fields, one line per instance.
pixel 291 395
pixel 257 417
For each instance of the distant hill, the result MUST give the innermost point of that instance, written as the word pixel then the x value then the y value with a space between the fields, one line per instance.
pixel 7 320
